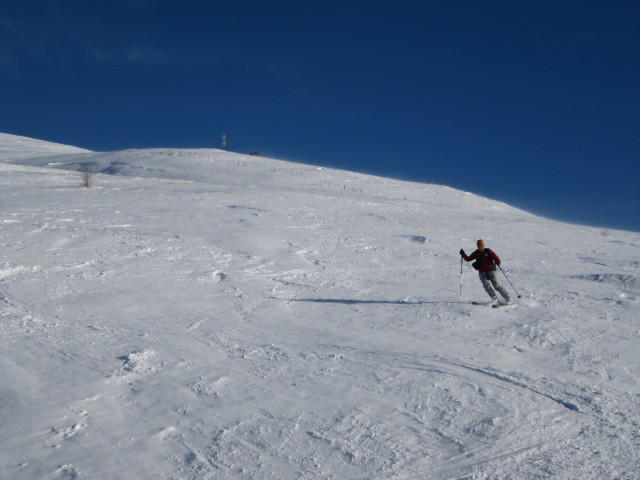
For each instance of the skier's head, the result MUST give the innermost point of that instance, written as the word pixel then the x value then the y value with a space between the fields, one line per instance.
pixel 480 243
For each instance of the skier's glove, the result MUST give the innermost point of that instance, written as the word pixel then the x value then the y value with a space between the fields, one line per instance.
pixel 462 253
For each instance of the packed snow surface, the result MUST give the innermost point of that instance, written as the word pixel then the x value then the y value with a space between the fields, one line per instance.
pixel 208 315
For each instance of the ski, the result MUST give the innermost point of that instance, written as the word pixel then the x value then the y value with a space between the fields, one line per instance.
pixel 501 305
pixel 494 305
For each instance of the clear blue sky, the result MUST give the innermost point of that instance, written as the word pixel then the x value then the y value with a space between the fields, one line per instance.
pixel 532 103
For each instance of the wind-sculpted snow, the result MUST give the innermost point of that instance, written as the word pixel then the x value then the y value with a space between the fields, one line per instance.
pixel 207 315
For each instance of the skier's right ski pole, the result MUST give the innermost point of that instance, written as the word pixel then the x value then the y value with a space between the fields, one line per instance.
pixel 514 288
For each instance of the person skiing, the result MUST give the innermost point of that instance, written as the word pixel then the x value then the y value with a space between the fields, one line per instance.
pixel 485 262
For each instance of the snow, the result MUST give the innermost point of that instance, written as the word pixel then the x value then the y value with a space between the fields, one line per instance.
pixel 203 314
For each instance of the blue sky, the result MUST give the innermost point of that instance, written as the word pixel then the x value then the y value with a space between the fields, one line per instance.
pixel 533 103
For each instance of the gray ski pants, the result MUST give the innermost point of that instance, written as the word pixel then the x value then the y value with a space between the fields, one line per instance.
pixel 488 279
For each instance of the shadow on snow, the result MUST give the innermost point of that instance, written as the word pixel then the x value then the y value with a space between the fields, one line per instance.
pixel 359 302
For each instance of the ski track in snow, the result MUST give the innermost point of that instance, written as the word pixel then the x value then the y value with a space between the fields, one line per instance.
pixel 248 318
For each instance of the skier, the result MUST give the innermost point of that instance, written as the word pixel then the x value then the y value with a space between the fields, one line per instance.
pixel 485 262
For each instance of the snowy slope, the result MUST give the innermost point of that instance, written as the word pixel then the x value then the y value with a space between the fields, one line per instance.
pixel 207 315
pixel 13 147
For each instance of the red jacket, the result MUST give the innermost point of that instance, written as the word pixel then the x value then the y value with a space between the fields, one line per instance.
pixel 486 260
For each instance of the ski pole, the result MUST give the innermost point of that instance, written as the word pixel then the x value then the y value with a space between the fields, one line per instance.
pixel 505 275
pixel 461 279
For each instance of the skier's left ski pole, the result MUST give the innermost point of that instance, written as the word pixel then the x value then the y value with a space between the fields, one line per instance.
pixel 460 279
pixel 505 275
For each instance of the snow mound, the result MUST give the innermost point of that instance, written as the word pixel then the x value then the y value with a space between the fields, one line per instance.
pixel 138 365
